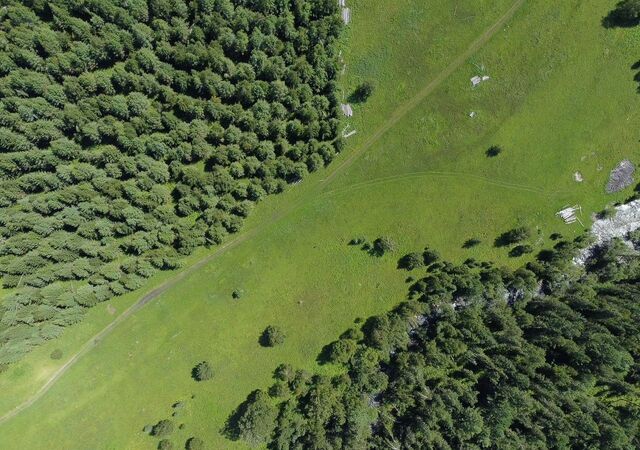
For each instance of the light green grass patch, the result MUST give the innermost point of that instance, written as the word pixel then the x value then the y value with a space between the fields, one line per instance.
pixel 561 99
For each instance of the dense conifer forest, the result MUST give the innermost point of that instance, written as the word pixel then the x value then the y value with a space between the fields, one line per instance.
pixel 132 132
pixel 546 356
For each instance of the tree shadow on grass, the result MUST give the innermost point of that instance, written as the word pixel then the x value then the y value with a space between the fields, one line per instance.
pixel 470 243
pixel 493 151
pixel 355 97
pixel 617 19
pixel 263 340
pixel 520 250
pixel 504 240
pixel 636 77
pixel 636 66
pixel 324 355
pixel 545 255
pixel 361 94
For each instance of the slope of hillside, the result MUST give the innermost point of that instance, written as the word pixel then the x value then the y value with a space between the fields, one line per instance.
pixel 133 134
pixel 561 99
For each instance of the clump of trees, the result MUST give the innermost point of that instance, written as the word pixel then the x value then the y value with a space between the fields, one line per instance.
pixel 411 261
pixel 521 358
pixel 163 428
pixel 379 247
pixel 202 371
pixel 272 336
pixel 194 443
pixel 254 420
pixel 430 256
pixel 515 236
pixel 382 245
pixel 416 260
pixel 131 135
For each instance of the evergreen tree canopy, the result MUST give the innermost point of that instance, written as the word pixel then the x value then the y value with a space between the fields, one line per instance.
pixel 546 356
pixel 133 132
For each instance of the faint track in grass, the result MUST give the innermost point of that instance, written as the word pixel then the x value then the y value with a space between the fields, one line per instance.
pixel 404 109
pixel 445 174
pixel 414 101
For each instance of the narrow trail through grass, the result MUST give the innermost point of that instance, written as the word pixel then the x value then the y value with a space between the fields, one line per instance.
pixel 315 191
pixel 446 174
pixel 419 97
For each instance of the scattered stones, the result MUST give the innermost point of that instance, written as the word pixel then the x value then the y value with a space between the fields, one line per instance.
pixel 621 177
pixel 625 220
pixel 346 15
pixel 346 109
pixel 476 80
pixel 578 177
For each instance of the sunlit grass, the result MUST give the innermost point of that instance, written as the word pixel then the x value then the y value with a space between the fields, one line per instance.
pixel 561 99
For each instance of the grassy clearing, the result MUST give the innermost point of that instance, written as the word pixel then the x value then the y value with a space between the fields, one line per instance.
pixel 561 100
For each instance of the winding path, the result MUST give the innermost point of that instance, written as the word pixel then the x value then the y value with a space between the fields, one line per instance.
pixel 395 117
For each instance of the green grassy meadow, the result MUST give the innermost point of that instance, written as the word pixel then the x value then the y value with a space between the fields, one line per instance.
pixel 561 99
